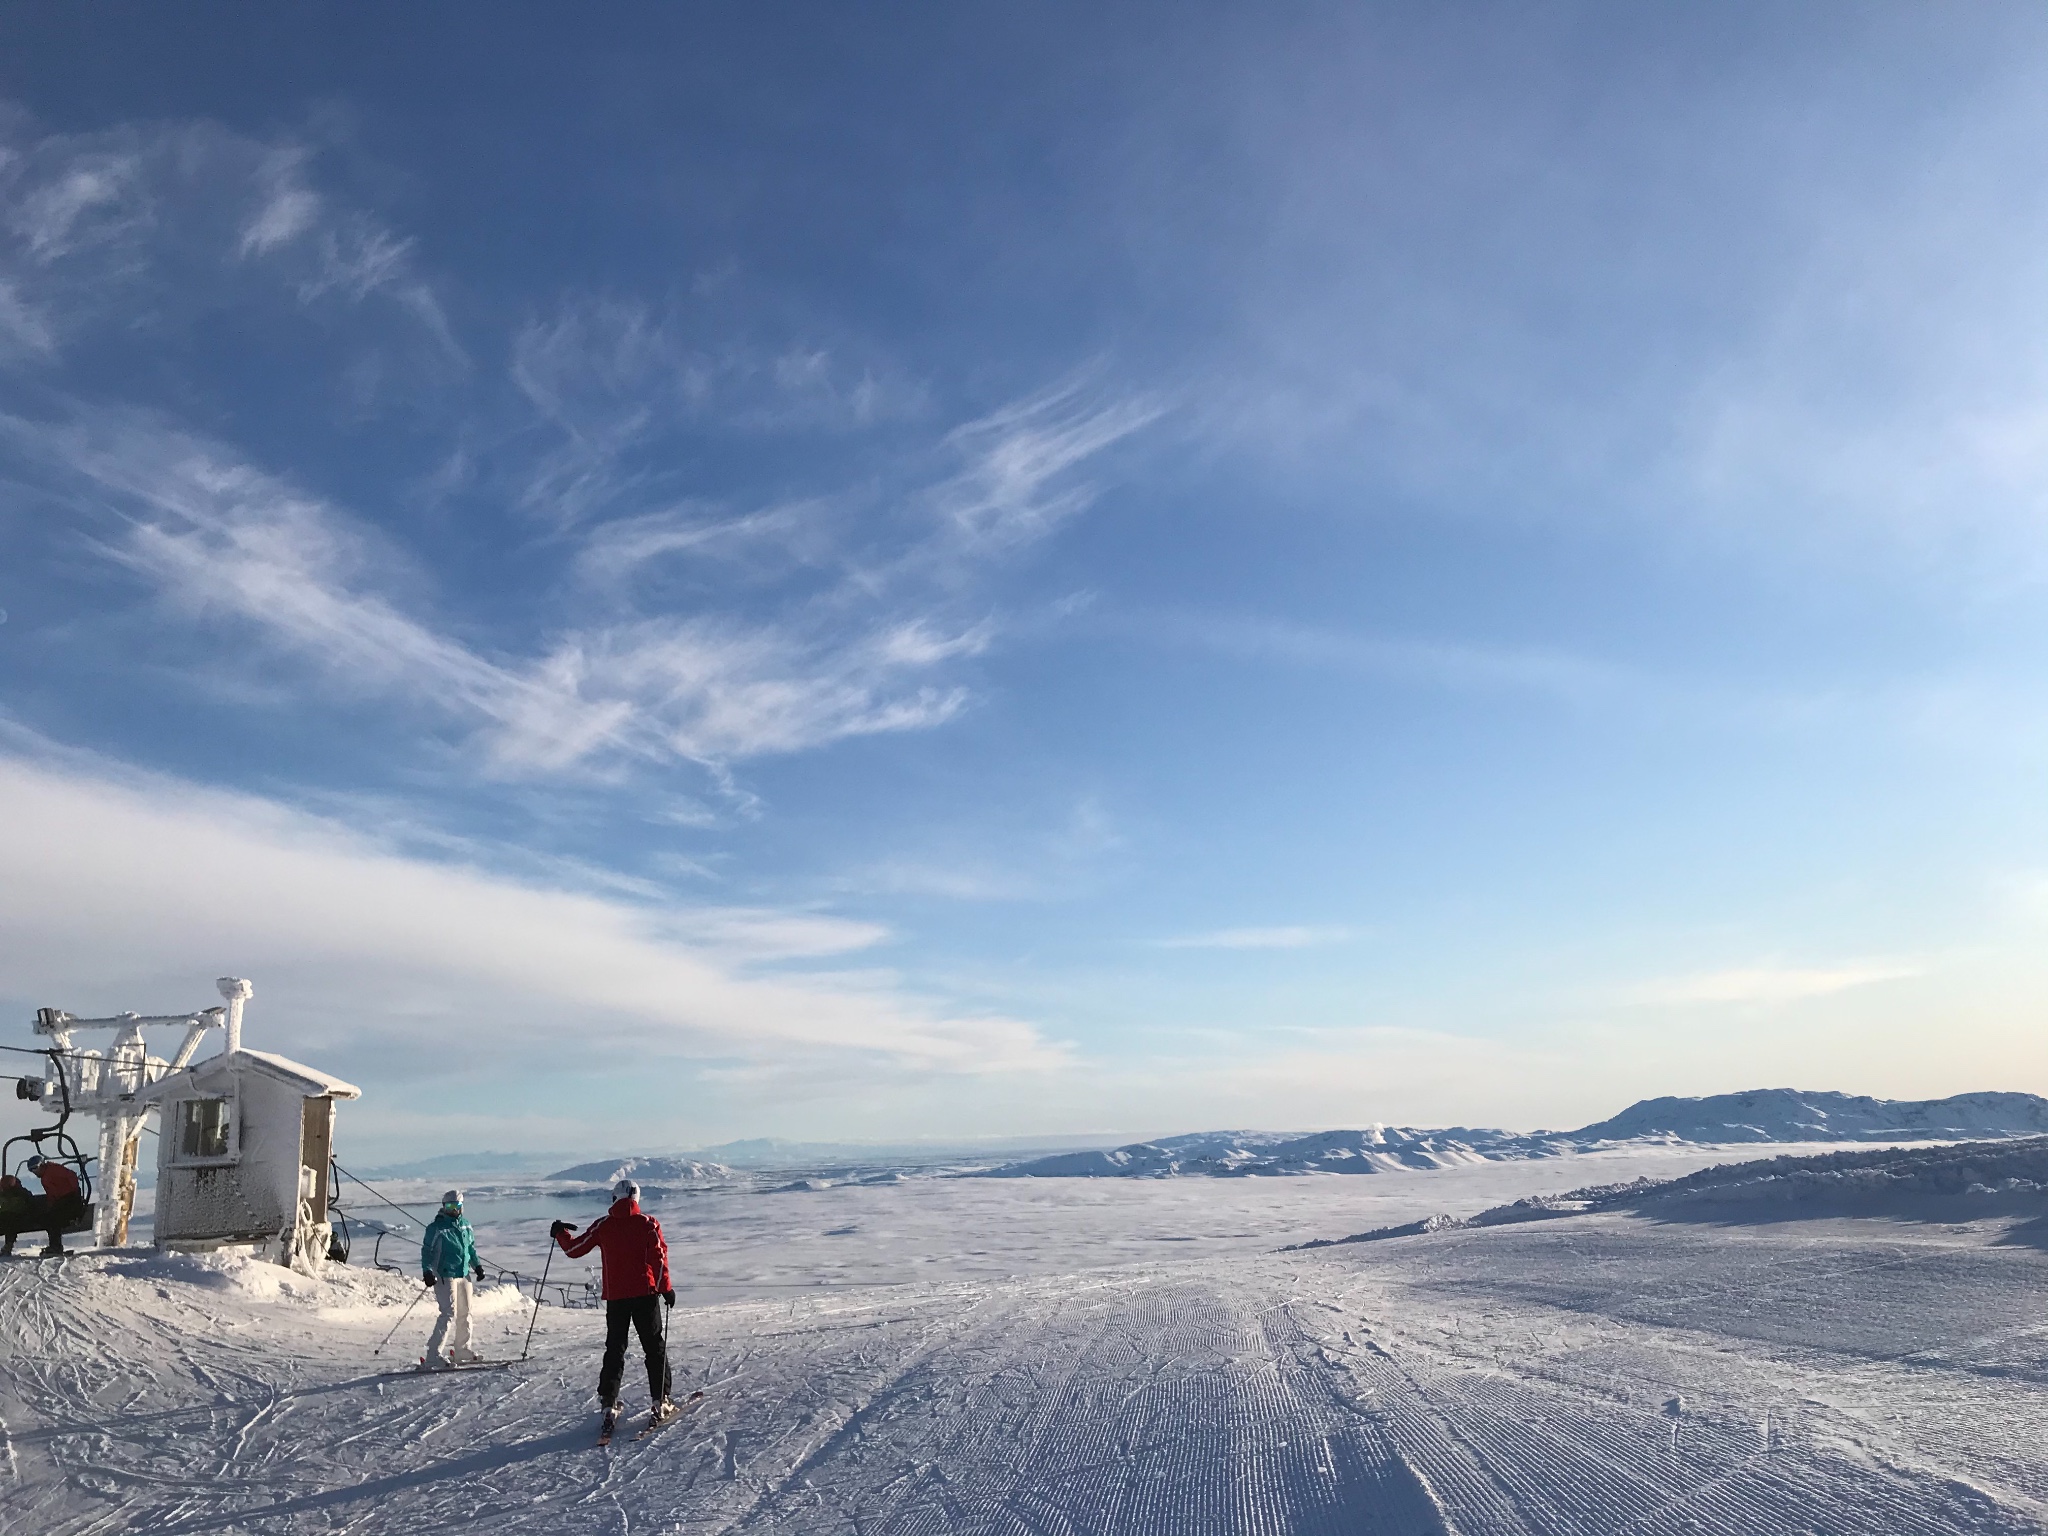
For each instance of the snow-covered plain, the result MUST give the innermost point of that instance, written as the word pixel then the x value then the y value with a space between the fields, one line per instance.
pixel 1024 1356
pixel 882 1225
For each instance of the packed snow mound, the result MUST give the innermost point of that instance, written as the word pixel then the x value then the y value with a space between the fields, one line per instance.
pixel 1789 1114
pixel 338 1292
pixel 1769 1114
pixel 644 1170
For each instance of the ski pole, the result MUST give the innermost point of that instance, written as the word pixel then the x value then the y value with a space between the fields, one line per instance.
pixel 545 1265
pixel 401 1321
pixel 668 1385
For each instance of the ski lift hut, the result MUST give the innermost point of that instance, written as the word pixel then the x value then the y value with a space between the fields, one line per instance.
pixel 244 1146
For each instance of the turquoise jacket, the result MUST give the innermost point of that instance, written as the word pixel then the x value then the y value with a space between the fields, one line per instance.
pixel 449 1250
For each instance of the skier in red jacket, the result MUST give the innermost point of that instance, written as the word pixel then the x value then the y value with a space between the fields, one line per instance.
pixel 63 1200
pixel 635 1277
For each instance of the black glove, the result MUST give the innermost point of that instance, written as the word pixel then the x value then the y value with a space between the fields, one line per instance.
pixel 427 1277
pixel 559 1228
pixel 668 1298
pixel 476 1271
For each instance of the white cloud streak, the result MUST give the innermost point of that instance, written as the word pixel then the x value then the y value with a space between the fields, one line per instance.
pixel 288 208
pixel 1448 664
pixel 618 551
pixel 1015 486
pixel 1295 937
pixel 132 222
pixel 22 326
pixel 115 886
pixel 1770 984
pixel 615 380
pixel 219 538
pixel 136 222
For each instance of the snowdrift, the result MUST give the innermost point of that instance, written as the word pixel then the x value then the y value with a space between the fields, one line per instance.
pixel 340 1293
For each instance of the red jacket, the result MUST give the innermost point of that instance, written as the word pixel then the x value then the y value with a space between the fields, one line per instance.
pixel 58 1181
pixel 635 1253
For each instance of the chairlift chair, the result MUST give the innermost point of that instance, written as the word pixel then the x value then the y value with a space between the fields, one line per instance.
pixel 54 1143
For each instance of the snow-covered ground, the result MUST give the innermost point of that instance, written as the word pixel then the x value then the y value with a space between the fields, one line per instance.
pixel 1014 1356
pixel 782 1231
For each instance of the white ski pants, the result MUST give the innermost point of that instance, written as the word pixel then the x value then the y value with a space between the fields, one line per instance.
pixel 451 1329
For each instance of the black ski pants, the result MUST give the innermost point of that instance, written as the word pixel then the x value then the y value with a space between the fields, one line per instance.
pixel 643 1315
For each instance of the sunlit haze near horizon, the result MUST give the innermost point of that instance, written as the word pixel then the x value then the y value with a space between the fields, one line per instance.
pixel 657 574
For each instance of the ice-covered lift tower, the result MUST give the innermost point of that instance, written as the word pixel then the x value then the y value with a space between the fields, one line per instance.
pixel 104 1084
pixel 245 1139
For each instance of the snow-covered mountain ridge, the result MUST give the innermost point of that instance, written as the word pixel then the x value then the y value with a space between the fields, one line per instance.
pixel 1785 1114
pixel 644 1170
pixel 1761 1115
pixel 1950 1182
pixel 1236 1154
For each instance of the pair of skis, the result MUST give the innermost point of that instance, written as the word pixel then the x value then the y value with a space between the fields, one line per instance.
pixel 421 1368
pixel 655 1422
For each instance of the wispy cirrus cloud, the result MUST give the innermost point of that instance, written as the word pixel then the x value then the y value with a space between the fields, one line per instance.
pixel 768 541
pixel 288 207
pixel 222 539
pixel 1015 486
pixel 219 538
pixel 139 224
pixel 859 605
pixel 616 382
pixel 1464 665
pixel 1771 984
pixel 707 691
pixel 23 327
pixel 1294 936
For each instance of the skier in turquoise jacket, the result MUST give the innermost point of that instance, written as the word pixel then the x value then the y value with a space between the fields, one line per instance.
pixel 448 1263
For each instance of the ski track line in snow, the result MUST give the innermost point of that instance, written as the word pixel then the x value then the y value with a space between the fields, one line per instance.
pixel 1530 1427
pixel 1171 1408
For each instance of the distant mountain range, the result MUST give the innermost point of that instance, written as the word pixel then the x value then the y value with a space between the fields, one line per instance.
pixel 644 1170
pixel 1784 1114
pixel 773 1152
pixel 1764 1115
pixel 770 1152
pixel 1229 1154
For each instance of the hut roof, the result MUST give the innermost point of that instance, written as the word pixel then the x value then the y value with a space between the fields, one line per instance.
pixel 310 1081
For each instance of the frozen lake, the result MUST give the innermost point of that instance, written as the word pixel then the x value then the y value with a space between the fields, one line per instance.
pixel 1001 1358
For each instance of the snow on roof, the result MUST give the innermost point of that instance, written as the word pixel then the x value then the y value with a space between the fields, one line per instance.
pixel 308 1080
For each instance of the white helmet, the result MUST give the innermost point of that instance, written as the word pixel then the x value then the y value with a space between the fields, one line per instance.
pixel 451 1197
pixel 625 1189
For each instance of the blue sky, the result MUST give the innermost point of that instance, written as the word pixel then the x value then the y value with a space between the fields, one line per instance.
pixel 899 571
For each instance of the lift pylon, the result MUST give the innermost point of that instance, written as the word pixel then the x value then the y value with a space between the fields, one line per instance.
pixel 104 1084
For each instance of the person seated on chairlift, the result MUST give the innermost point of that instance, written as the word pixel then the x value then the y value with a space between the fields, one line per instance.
pixel 17 1210
pixel 64 1200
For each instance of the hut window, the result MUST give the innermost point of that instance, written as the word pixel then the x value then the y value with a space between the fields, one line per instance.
pixel 203 1128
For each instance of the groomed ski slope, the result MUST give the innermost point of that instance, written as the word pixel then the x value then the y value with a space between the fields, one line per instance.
pixel 1485 1381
